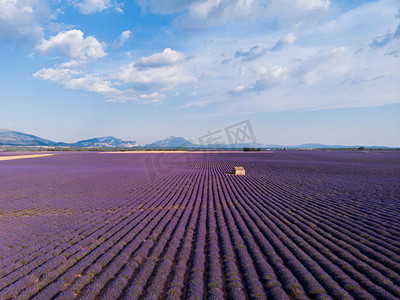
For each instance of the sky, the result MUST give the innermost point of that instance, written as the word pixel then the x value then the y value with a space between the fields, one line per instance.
pixel 301 71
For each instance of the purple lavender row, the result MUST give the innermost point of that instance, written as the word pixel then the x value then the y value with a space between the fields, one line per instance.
pixel 352 224
pixel 368 251
pixel 294 288
pixel 22 254
pixel 215 284
pixel 335 274
pixel 253 285
pixel 176 284
pixel 367 284
pixel 189 278
pixel 197 269
pixel 96 253
pixel 376 277
pixel 113 268
pixel 323 278
pixel 132 240
pixel 348 230
pixel 235 287
pixel 169 223
pixel 327 213
pixel 104 244
pixel 265 270
pixel 164 269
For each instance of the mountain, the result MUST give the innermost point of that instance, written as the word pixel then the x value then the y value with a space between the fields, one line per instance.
pixel 15 138
pixel 171 142
pixel 105 142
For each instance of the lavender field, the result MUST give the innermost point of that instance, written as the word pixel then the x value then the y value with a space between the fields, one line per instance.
pixel 299 225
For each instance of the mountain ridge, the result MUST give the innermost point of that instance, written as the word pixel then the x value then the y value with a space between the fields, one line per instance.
pixel 10 137
pixel 17 138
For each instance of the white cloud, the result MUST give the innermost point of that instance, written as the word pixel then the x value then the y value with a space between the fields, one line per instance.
pixel 310 4
pixel 21 20
pixel 268 76
pixel 92 83
pixel 201 14
pixel 210 13
pixel 154 97
pixel 164 70
pixel 382 40
pixel 252 54
pixel 165 77
pixel 274 72
pixel 195 14
pixel 255 52
pixel 326 63
pixel 76 80
pixel 91 6
pixel 286 40
pixel 310 78
pixel 319 65
pixel 56 75
pixel 122 39
pixel 73 45
pixel 166 6
pixel 141 81
pixel 168 57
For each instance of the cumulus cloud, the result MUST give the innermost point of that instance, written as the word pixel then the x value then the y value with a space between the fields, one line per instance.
pixel 311 4
pixel 91 6
pixel 269 76
pixel 56 75
pixel 166 6
pixel 163 70
pixel 92 83
pixel 304 74
pixel 164 77
pixel 201 14
pixel 168 57
pixel 260 73
pixel 396 35
pixel 76 80
pixel 394 53
pixel 74 45
pixel 290 12
pixel 21 20
pixel 324 62
pixel 252 54
pixel 154 97
pixel 210 13
pixel 122 39
pixel 286 40
pixel 382 40
pixel 141 81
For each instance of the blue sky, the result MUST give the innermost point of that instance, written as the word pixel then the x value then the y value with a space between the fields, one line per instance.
pixel 301 71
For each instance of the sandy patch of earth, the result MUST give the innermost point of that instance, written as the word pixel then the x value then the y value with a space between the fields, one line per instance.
pixel 23 156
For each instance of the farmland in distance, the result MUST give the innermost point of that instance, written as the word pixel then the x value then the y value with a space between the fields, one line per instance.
pixel 298 225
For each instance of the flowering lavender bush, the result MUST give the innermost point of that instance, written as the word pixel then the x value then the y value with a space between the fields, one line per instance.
pixel 299 225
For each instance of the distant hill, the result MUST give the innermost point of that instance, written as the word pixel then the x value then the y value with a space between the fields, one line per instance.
pixel 171 142
pixel 15 138
pixel 19 139
pixel 105 142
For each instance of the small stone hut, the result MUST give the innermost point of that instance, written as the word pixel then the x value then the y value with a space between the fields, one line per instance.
pixel 239 171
